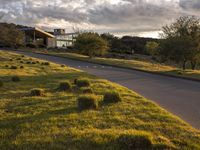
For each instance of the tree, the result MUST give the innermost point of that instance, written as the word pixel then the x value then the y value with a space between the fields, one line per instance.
pixel 91 44
pixel 152 48
pixel 181 41
pixel 11 36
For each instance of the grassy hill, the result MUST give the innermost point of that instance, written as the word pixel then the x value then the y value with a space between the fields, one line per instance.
pixel 53 120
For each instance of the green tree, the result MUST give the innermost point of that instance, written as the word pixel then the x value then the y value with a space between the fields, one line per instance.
pixel 181 41
pixel 152 48
pixel 11 36
pixel 91 44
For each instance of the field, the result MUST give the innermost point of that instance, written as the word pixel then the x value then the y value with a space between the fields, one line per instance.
pixel 141 64
pixel 53 121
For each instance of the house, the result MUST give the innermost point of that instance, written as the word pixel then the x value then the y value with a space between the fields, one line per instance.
pixel 38 37
pixel 64 40
pixel 56 39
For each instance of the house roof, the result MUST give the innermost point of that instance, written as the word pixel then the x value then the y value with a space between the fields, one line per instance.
pixel 38 30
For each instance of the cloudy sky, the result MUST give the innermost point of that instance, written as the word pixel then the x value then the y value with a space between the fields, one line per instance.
pixel 120 17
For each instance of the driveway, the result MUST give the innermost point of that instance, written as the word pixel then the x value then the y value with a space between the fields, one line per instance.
pixel 179 96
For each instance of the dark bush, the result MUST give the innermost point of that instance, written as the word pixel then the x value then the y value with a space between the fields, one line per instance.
pixel 62 65
pixel 13 67
pixel 46 63
pixel 28 62
pixel 87 102
pixel 131 142
pixel 33 63
pixel 83 83
pixel 11 59
pixel 21 67
pixel 37 62
pixel 75 81
pixel 6 66
pixel 22 56
pixel 19 59
pixel 1 83
pixel 112 97
pixel 37 92
pixel 15 79
pixel 65 86
pixel 87 90
pixel 31 45
pixel 21 62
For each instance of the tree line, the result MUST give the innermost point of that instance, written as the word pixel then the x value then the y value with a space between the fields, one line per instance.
pixel 180 43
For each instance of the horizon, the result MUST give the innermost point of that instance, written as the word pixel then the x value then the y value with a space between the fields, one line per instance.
pixel 143 18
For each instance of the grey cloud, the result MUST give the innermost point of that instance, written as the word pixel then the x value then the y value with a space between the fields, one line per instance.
pixel 126 16
pixel 190 4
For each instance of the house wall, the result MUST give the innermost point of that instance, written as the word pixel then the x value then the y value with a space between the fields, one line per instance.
pixel 51 42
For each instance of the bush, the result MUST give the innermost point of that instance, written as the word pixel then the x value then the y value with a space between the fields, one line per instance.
pixel 1 83
pixel 87 91
pixel 112 97
pixel 21 67
pixel 83 83
pixel 15 79
pixel 22 56
pixel 65 86
pixel 11 59
pixel 19 59
pixel 37 62
pixel 28 62
pixel 30 45
pixel 33 63
pixel 13 67
pixel 87 102
pixel 6 66
pixel 131 141
pixel 21 62
pixel 37 92
pixel 62 65
pixel 46 63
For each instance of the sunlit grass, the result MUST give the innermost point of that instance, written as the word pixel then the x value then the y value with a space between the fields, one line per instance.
pixel 53 121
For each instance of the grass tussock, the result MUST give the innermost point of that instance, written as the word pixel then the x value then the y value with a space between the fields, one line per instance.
pixel 37 92
pixel 65 86
pixel 53 121
pixel 82 82
pixel 112 97
pixel 87 102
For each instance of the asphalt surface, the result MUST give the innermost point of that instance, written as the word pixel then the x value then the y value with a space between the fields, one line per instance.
pixel 179 96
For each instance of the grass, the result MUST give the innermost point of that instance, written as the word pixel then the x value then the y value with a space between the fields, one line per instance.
pixel 53 121
pixel 142 64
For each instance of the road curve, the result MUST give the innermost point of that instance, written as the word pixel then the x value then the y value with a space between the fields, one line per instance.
pixel 179 96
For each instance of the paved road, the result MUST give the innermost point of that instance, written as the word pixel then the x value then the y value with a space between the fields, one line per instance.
pixel 179 96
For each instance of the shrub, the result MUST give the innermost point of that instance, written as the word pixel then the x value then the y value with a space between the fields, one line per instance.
pixel 37 92
pixel 11 59
pixel 1 83
pixel 112 97
pixel 75 81
pixel 13 67
pixel 21 62
pixel 15 79
pixel 19 59
pixel 28 62
pixel 131 141
pixel 37 62
pixel 22 56
pixel 33 63
pixel 46 63
pixel 6 66
pixel 65 86
pixel 21 67
pixel 31 45
pixel 87 91
pixel 62 65
pixel 87 102
pixel 83 83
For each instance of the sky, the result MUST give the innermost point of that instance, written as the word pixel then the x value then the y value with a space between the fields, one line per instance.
pixel 120 17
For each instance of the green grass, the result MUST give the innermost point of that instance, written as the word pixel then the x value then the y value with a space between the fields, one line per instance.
pixel 53 121
pixel 142 64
